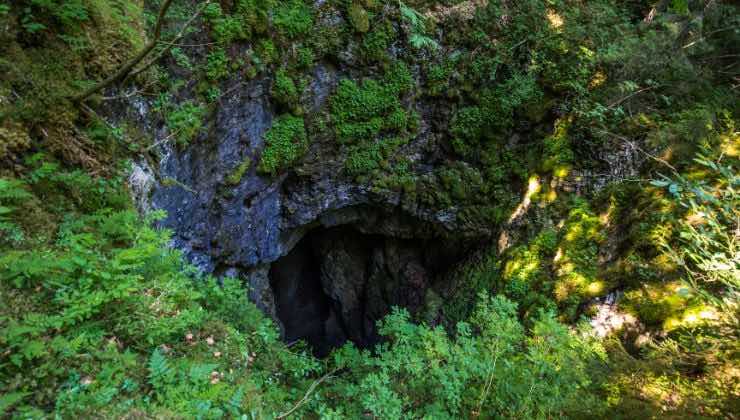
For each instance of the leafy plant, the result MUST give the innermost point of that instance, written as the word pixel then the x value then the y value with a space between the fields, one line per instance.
pixel 11 192
pixel 217 64
pixel 706 247
pixel 417 28
pixel 491 368
pixel 186 121
pixel 293 18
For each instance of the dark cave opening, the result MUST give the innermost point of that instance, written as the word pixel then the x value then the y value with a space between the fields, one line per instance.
pixel 337 282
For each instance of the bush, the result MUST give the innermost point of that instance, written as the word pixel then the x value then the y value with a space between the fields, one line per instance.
pixel 491 368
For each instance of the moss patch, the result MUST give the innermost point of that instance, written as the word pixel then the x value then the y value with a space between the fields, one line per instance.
pixel 285 143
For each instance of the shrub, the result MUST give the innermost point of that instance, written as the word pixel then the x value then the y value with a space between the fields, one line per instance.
pixel 490 368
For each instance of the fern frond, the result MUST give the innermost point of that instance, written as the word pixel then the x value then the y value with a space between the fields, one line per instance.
pixel 12 190
pixel 417 28
pixel 159 369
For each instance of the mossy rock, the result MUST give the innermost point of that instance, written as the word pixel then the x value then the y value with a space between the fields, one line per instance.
pixel 359 18
pixel 285 144
pixel 235 177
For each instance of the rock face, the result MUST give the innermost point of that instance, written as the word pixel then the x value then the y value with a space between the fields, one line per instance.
pixel 344 281
pixel 326 257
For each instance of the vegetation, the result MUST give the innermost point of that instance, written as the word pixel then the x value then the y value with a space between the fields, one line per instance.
pixel 596 142
pixel 285 143
pixel 186 121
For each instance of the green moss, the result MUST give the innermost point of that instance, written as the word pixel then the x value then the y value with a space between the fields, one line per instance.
pixel 267 52
pixel 467 128
pixel 305 57
pixel 225 28
pixel 285 143
pixel 364 159
pixel 438 79
pixel 293 18
pixel 361 112
pixel 217 64
pixel 375 43
pixel 284 89
pixel 359 17
pixel 558 156
pixel 236 175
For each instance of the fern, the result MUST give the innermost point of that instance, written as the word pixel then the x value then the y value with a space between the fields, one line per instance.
pixel 11 191
pixel 159 370
pixel 417 28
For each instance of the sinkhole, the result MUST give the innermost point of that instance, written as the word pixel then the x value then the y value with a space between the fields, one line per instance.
pixel 337 282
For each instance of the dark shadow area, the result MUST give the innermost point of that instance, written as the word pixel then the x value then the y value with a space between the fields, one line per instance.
pixel 337 283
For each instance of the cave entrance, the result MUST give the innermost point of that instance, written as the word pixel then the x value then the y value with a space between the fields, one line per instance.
pixel 337 282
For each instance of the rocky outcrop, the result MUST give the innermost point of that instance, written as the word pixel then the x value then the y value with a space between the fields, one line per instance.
pixel 250 227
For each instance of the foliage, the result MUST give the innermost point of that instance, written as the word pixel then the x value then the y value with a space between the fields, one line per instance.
pixel 99 318
pixel 107 320
pixel 359 17
pixel 284 89
pixel 186 121
pixel 361 112
pixel 285 143
pixel 11 191
pixel 707 235
pixel 217 64
pixel 490 368
pixel 417 28
pixel 293 18
pixel 226 28
pixel 68 13
pixel 237 173
pixel 376 42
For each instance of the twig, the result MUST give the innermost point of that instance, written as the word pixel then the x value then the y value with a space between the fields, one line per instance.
pixel 171 43
pixel 631 143
pixel 175 44
pixel 307 394
pixel 163 141
pixel 705 36
pixel 630 96
pixel 126 68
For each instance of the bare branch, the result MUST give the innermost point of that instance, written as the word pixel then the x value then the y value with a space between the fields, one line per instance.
pixel 171 43
pixel 126 68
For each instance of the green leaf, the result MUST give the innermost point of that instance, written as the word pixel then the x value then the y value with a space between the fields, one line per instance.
pixel 8 400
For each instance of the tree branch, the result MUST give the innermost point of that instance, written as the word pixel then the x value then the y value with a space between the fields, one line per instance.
pixel 126 68
pixel 307 394
pixel 171 43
